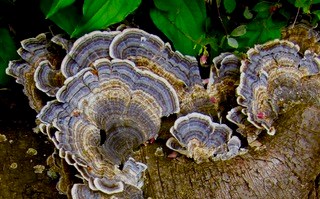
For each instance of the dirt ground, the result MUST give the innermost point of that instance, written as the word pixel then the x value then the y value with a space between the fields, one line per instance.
pixel 23 153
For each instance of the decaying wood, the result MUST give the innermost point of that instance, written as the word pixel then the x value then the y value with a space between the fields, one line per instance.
pixel 285 167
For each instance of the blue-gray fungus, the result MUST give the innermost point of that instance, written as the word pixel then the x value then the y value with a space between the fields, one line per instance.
pixel 150 53
pixel 273 80
pixel 82 191
pixel 86 50
pixel 304 35
pixel 245 128
pixel 110 90
pixel 122 100
pixel 39 69
pixel 223 80
pixel 197 136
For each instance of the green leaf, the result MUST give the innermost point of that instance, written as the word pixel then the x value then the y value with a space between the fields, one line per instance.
pixel 58 5
pixel 262 9
pixel 229 5
pixel 239 31
pixel 302 3
pixel 232 42
pixel 305 5
pixel 286 13
pixel 317 13
pixel 7 53
pixel 182 22
pixel 213 42
pixel 66 18
pixel 247 13
pixel 262 6
pixel 260 31
pixel 100 14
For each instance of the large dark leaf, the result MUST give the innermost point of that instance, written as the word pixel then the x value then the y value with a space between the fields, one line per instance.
pixel 7 53
pixel 260 31
pixel 58 5
pixel 103 13
pixel 66 18
pixel 182 22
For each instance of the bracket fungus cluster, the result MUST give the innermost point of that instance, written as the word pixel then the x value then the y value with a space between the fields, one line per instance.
pixel 114 99
pixel 107 92
pixel 304 35
pixel 106 96
pixel 39 69
pixel 223 80
pixel 197 137
pixel 272 81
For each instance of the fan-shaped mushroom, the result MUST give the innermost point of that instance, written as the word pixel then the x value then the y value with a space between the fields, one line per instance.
pixel 102 113
pixel 271 81
pixel 197 136
pixel 39 69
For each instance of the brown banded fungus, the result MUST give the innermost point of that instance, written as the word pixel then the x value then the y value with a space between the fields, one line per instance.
pixel 111 90
pixel 86 50
pixel 304 35
pixel 245 128
pixel 118 100
pixel 223 80
pixel 81 191
pixel 197 136
pixel 150 53
pixel 39 69
pixel 271 81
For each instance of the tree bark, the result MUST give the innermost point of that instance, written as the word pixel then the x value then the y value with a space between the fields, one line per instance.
pixel 286 167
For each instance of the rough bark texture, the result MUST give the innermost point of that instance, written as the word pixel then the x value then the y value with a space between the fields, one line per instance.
pixel 16 124
pixel 288 166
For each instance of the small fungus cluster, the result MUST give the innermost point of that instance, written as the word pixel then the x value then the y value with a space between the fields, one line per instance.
pixel 100 97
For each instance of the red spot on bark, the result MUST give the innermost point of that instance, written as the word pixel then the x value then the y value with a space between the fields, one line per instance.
pixel 213 100
pixel 152 140
pixel 261 115
pixel 173 155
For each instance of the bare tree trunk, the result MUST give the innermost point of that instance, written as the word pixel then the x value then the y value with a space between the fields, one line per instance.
pixel 288 166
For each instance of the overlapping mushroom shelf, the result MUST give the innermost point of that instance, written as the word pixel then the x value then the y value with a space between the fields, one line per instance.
pixel 107 92
pixel 115 99
pixel 197 137
pixel 39 69
pixel 273 80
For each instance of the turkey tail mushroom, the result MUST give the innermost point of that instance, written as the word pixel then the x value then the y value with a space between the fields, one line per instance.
pixel 303 34
pixel 86 50
pixel 112 88
pixel 150 53
pixel 82 191
pixel 271 81
pixel 245 128
pixel 223 80
pixel 197 136
pixel 39 69
pixel 102 113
